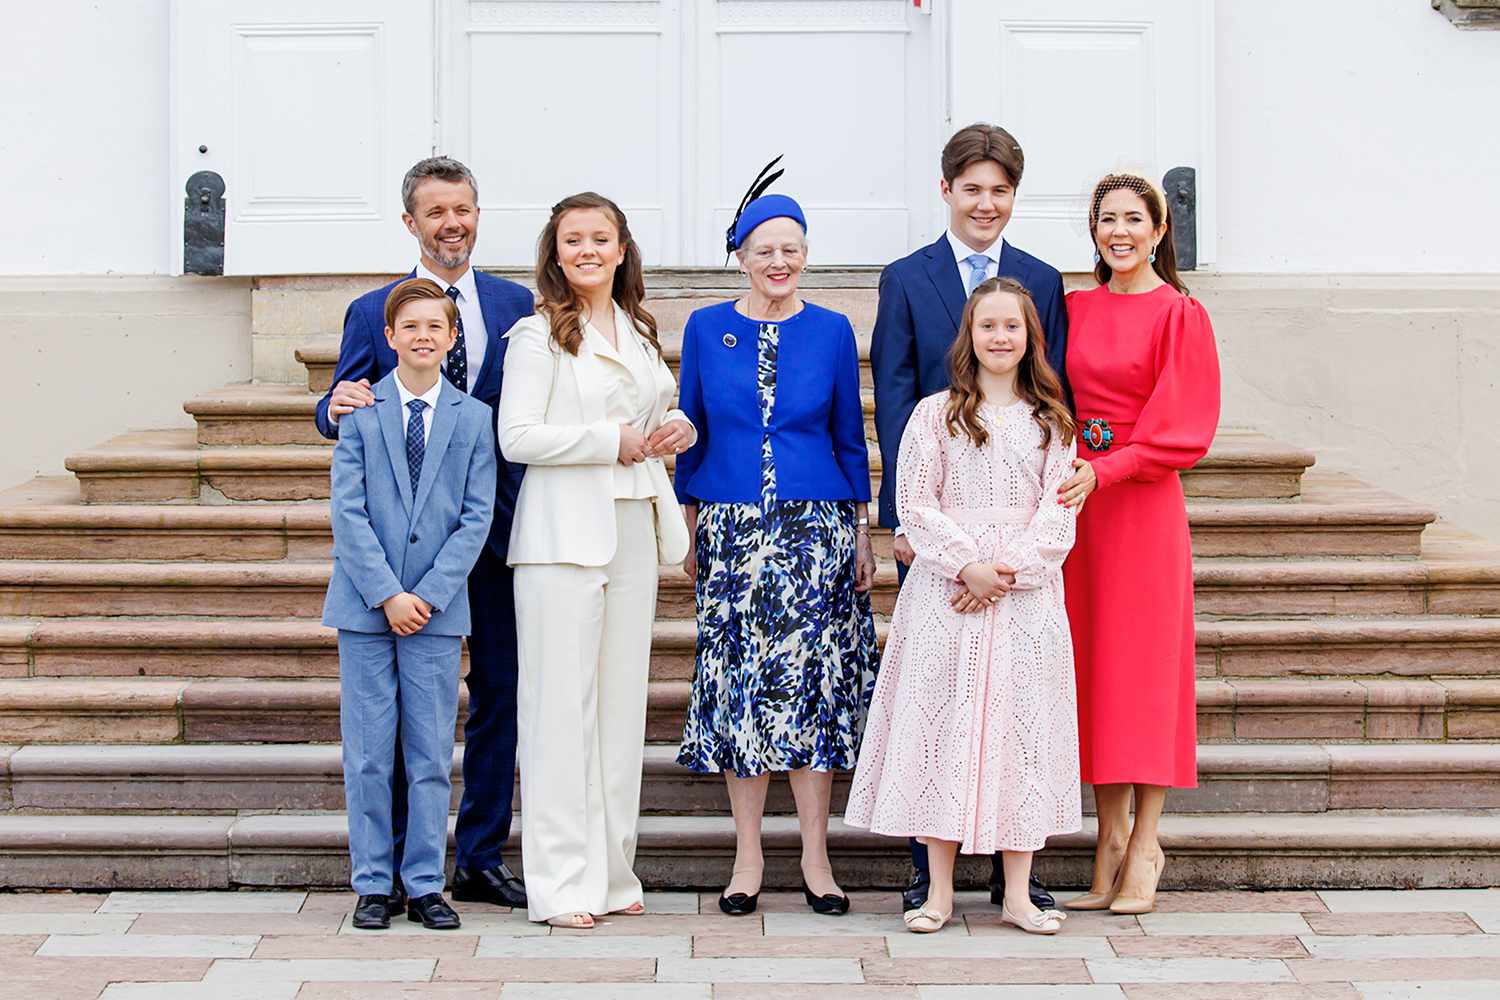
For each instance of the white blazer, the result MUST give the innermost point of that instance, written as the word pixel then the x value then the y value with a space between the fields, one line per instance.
pixel 552 419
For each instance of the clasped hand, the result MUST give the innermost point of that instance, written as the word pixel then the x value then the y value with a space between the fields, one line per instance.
pixel 406 613
pixel 984 585
pixel 668 439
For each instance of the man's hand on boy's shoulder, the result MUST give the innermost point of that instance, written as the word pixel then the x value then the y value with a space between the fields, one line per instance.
pixel 348 397
pixel 406 613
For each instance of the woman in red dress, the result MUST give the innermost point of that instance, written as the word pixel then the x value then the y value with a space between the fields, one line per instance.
pixel 1145 376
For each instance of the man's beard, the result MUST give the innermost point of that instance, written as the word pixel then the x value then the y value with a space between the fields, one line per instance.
pixel 435 251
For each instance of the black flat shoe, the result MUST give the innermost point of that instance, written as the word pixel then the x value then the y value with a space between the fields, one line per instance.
pixel 432 912
pixel 372 912
pixel 740 904
pixel 1040 897
pixel 830 905
pixel 498 886
pixel 915 895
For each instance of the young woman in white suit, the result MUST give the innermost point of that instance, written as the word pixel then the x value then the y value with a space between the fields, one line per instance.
pixel 585 408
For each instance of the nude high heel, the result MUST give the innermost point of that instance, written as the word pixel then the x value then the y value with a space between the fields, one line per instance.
pixel 1099 900
pixel 1134 905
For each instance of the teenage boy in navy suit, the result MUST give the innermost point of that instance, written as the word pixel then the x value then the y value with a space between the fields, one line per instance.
pixel 922 299
pixel 441 201
pixel 413 493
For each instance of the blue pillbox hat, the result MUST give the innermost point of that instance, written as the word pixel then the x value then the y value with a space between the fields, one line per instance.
pixel 764 209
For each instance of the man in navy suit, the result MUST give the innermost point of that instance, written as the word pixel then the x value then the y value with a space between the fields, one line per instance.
pixel 922 299
pixel 441 202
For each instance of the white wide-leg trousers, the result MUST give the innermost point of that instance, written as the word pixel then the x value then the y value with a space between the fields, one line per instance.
pixel 585 653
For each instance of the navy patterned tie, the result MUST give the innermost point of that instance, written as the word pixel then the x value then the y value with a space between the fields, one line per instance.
pixel 456 366
pixel 416 442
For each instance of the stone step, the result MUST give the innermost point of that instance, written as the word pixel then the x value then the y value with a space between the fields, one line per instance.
pixel 1263 778
pixel 170 710
pixel 1224 587
pixel 254 415
pixel 1414 647
pixel 44 519
pixel 169 465
pixel 1355 849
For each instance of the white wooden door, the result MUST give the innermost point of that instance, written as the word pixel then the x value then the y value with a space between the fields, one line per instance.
pixel 670 107
pixel 312 111
pixel 1086 87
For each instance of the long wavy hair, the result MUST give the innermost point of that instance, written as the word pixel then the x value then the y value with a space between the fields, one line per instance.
pixel 1036 382
pixel 1157 210
pixel 561 304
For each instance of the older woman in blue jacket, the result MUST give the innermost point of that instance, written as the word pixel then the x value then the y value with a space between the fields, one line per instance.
pixel 776 491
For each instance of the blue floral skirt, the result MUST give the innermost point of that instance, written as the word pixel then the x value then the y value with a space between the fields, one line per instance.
pixel 787 656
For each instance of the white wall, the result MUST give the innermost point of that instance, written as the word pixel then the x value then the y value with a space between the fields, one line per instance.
pixel 1356 136
pixel 83 138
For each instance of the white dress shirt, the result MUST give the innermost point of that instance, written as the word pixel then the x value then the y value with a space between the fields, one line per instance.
pixel 430 397
pixel 629 394
pixel 962 250
pixel 476 335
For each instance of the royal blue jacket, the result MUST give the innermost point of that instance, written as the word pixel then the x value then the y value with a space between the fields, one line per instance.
pixel 817 427
pixel 363 353
pixel 921 303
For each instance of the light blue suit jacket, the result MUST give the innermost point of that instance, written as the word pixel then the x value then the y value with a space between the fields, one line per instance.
pixel 389 537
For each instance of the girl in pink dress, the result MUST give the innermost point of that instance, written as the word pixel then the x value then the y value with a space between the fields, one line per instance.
pixel 972 739
pixel 1145 378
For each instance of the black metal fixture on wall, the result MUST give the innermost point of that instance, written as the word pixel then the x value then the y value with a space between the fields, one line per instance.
pixel 1181 188
pixel 203 224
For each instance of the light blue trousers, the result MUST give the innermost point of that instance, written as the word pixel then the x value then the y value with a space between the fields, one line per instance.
pixel 382 678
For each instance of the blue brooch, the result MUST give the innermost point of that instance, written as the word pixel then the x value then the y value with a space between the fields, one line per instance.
pixel 1097 434
pixel 729 340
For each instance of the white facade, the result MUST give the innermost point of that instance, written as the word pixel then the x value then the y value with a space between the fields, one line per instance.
pixel 1349 135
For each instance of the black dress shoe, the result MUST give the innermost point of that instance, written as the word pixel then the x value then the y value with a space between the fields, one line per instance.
pixel 915 896
pixel 432 912
pixel 740 904
pixel 498 885
pixel 372 912
pixel 397 902
pixel 830 904
pixel 1040 897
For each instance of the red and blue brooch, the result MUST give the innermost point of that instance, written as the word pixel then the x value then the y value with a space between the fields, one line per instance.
pixel 1097 434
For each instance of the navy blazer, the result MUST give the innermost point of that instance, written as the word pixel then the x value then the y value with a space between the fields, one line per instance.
pixel 392 535
pixel 921 303
pixel 363 353
pixel 817 426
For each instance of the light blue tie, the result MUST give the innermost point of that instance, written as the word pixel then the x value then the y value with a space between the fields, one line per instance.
pixel 978 264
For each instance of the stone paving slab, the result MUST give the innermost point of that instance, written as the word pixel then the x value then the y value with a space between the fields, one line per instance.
pixel 301 924
pixel 1020 993
pixel 1211 946
pixel 814 991
pixel 608 991
pixel 581 946
pixel 1397 946
pixel 1451 989
pixel 201 991
pixel 1312 970
pixel 547 970
pixel 307 970
pixel 65 923
pixel 1242 991
pixel 51 902
pixel 1017 945
pixel 1435 922
pixel 374 946
pixel 832 946
pixel 510 924
pixel 399 991
pixel 1237 924
pixel 758 970
pixel 203 902
pixel 1411 900
pixel 148 946
pixel 1229 901
pixel 1188 970
pixel 20 945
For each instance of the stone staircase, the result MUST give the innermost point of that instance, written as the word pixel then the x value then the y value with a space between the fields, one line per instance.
pixel 169 702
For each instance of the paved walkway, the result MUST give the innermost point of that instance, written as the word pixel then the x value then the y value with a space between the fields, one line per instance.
pixel 299 946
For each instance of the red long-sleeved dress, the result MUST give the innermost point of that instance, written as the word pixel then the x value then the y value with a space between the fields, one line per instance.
pixel 1147 368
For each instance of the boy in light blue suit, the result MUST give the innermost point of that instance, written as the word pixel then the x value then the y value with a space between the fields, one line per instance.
pixel 413 495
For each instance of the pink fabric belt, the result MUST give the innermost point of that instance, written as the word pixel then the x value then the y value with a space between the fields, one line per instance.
pixel 990 515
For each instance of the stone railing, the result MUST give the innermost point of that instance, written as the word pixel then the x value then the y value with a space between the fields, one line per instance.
pixel 1470 14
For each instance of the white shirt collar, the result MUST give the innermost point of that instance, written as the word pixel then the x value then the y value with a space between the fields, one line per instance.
pixel 464 284
pixel 961 249
pixel 430 397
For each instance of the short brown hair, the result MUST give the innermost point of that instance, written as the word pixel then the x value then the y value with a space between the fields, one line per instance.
pixel 981 141
pixel 413 289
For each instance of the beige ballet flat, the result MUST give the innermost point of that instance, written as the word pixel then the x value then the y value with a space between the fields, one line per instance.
pixel 1098 900
pixel 579 921
pixel 1135 905
pixel 925 921
pixel 1042 922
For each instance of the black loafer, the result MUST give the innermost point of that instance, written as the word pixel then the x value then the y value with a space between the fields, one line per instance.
pixel 372 912
pixel 1040 897
pixel 498 886
pixel 915 896
pixel 740 904
pixel 830 905
pixel 432 912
